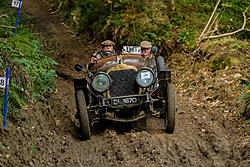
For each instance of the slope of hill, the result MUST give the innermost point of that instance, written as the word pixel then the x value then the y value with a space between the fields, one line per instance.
pixel 210 130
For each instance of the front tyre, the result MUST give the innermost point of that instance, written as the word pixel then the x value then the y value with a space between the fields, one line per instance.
pixel 170 108
pixel 83 113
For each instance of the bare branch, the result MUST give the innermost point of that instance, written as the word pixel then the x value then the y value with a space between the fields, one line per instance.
pixel 234 32
pixel 216 25
pixel 6 26
pixel 4 15
pixel 211 32
pixel 218 2
pixel 215 103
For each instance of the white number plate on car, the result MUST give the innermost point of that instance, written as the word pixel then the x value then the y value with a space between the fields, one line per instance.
pixel 127 100
pixel 131 50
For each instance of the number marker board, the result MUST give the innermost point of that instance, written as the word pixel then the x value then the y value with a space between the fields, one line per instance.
pixel 15 3
pixel 2 82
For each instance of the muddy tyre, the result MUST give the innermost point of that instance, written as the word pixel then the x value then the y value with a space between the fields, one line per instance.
pixel 83 114
pixel 161 63
pixel 170 108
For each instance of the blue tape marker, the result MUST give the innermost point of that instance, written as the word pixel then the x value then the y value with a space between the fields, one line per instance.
pixel 6 96
pixel 17 15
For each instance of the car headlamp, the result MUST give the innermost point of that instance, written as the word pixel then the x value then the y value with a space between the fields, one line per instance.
pixel 145 77
pixel 101 82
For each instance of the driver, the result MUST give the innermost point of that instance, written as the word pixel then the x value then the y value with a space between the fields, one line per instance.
pixel 107 50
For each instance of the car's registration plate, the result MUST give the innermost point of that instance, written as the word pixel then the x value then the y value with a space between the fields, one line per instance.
pixel 125 100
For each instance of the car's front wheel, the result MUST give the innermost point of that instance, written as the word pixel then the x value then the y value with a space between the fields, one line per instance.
pixel 83 113
pixel 170 109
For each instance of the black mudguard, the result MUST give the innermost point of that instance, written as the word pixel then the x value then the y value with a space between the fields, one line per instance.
pixel 164 76
pixel 81 84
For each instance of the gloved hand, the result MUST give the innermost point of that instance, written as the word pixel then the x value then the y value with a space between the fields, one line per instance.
pixel 93 60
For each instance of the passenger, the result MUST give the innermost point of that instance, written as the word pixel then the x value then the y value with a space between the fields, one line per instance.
pixel 146 52
pixel 146 49
pixel 107 50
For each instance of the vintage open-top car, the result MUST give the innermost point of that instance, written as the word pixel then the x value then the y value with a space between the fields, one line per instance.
pixel 125 88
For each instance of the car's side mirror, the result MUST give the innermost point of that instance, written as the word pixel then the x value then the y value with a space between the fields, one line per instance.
pixel 78 67
pixel 154 50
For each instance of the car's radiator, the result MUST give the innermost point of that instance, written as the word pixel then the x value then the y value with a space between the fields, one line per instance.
pixel 123 83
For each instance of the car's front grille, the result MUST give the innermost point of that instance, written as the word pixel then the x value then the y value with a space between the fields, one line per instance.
pixel 123 83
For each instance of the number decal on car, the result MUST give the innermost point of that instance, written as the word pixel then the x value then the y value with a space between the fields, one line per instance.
pixel 145 75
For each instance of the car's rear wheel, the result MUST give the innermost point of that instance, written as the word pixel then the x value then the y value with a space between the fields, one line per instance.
pixel 83 113
pixel 170 109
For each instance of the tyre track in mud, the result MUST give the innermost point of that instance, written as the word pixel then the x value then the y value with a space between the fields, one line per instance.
pixel 194 143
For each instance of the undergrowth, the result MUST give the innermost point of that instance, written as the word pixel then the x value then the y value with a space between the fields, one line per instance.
pixel 245 98
pixel 172 27
pixel 31 71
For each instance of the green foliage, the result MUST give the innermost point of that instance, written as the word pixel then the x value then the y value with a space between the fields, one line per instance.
pixel 31 71
pixel 129 22
pixel 3 3
pixel 236 44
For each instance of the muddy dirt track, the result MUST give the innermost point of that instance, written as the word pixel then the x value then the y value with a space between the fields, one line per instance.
pixel 47 134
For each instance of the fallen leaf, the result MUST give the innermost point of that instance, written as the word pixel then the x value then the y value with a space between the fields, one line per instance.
pixel 247 91
pixel 237 75
pixel 181 85
pixel 58 122
pixel 173 72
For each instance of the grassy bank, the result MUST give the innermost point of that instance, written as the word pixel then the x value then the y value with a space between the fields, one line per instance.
pixel 31 71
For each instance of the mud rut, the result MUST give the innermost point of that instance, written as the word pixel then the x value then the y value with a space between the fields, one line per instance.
pixel 46 133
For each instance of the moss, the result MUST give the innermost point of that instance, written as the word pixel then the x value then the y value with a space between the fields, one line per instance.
pixel 219 62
